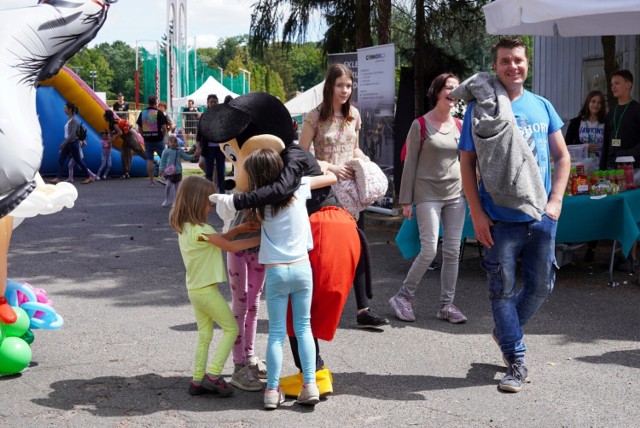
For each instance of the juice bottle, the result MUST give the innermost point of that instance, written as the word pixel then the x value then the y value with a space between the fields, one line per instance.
pixel 571 184
pixel 593 181
pixel 622 182
pixel 582 184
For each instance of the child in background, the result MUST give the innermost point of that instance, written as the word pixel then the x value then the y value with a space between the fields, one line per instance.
pixel 286 240
pixel 72 163
pixel 246 279
pixel 200 247
pixel 171 168
pixel 105 159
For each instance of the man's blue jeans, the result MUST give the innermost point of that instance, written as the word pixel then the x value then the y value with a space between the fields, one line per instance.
pixel 534 243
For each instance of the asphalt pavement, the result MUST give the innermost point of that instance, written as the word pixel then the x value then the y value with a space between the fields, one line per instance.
pixel 123 358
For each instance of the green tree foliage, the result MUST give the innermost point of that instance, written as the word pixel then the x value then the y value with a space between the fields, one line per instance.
pixel 230 48
pixel 208 56
pixel 121 58
pixel 88 60
pixel 307 65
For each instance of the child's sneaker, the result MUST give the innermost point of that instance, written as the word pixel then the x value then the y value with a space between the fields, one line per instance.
pixel 196 389
pixel 258 366
pixel 309 395
pixel 273 398
pixel 450 313
pixel 217 386
pixel 246 379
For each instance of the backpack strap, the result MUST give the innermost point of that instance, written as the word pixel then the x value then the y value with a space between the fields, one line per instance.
pixel 458 124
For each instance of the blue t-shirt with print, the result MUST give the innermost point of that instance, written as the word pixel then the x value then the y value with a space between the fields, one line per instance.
pixel 536 119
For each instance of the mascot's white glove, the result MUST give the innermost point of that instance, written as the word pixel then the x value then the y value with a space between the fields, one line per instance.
pixel 224 206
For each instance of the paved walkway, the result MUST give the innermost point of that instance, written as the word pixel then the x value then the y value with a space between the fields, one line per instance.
pixel 123 358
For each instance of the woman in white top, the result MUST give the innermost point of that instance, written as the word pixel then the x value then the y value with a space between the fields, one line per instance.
pixel 588 126
pixel 431 181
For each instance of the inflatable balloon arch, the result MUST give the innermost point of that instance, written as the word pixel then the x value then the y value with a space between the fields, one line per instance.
pixel 33 311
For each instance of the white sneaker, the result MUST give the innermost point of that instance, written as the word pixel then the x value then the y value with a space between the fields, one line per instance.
pixel 273 398
pixel 309 395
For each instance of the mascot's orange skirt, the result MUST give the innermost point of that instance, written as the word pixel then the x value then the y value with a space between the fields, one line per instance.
pixel 335 254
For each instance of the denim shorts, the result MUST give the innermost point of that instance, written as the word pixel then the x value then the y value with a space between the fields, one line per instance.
pixel 150 147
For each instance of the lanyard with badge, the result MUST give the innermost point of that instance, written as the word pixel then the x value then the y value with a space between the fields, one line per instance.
pixel 617 142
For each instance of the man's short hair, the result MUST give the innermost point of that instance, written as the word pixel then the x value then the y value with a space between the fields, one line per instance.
pixel 120 94
pixel 625 74
pixel 152 100
pixel 508 43
pixel 212 96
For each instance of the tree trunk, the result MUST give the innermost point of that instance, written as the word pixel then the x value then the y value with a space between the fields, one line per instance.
pixel 419 60
pixel 363 24
pixel 384 22
pixel 610 64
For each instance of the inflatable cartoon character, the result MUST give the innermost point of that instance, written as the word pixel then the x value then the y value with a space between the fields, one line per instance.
pixel 257 120
pixel 35 42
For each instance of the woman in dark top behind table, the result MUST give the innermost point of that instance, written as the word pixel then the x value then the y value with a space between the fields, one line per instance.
pixel 588 128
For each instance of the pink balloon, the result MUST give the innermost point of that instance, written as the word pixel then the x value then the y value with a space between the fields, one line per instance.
pixel 41 297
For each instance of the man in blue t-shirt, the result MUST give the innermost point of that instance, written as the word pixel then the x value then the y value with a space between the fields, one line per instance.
pixel 509 234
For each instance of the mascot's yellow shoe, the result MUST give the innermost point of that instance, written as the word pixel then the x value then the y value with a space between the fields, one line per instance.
pixel 292 385
pixel 324 379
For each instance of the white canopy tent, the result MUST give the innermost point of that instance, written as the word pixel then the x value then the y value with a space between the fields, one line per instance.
pixel 567 18
pixel 199 97
pixel 306 101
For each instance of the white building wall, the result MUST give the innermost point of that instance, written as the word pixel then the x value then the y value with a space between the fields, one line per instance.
pixel 564 69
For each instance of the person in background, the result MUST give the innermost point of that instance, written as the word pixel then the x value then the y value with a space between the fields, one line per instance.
pixel 70 146
pixel 210 153
pixel 333 128
pixel 588 128
pixel 122 129
pixel 152 124
pixel 431 180
pixel 200 247
pixel 190 117
pixel 622 138
pixel 120 105
pixel 171 156
pixel 72 164
pixel 162 106
pixel 105 158
pixel 511 234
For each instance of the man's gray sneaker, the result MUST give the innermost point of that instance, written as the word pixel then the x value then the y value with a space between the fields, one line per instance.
pixel 514 379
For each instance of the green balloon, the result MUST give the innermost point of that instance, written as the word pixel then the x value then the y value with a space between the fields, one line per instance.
pixel 20 327
pixel 28 337
pixel 15 355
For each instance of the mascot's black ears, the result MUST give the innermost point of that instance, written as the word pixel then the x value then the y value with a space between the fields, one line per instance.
pixel 248 115
pixel 229 184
